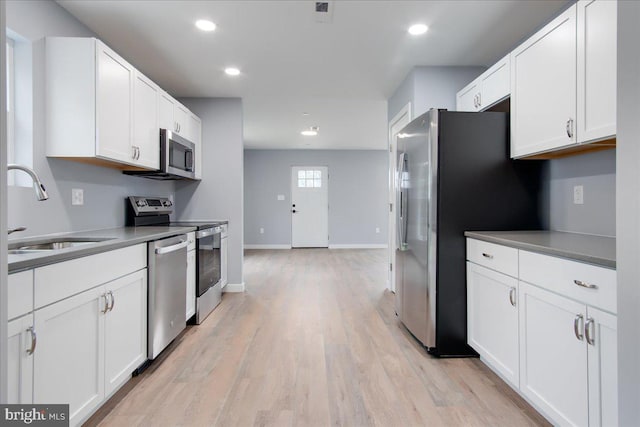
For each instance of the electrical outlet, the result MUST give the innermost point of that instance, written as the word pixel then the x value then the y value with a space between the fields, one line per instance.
pixel 377 230
pixel 261 230
pixel 77 196
pixel 578 195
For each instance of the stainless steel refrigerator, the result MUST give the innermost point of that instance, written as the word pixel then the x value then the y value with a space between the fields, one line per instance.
pixel 454 174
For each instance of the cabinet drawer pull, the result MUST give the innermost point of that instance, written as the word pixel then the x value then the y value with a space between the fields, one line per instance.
pixel 34 340
pixel 512 296
pixel 578 325
pixel 486 255
pixel 585 284
pixel 589 331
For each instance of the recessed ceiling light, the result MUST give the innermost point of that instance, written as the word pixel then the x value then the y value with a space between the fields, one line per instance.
pixel 417 29
pixel 305 114
pixel 312 131
pixel 205 25
pixel 232 71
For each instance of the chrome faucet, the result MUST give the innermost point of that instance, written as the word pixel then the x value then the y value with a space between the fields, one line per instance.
pixel 41 193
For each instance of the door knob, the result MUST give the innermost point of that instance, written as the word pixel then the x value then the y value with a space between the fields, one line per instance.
pixel 294 211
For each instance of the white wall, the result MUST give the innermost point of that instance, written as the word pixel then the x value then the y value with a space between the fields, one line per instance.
pixel 628 212
pixel 219 194
pixel 358 187
pixel 104 189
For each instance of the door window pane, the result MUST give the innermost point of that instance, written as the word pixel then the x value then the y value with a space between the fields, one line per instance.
pixel 301 174
pixel 309 174
pixel 301 183
pixel 317 174
pixel 317 183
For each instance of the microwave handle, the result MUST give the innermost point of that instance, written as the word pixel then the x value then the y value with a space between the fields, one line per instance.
pixel 188 160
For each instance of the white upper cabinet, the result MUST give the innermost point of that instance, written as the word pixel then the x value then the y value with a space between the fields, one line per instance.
pixel 495 83
pixel 488 89
pixel 597 59
pixel 146 134
pixel 543 88
pixel 101 110
pixel 114 92
pixel 467 98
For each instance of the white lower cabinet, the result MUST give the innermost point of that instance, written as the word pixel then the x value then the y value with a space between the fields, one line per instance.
pixel 89 344
pixel 125 329
pixel 492 319
pixel 553 355
pixel 21 344
pixel 69 359
pixel 551 332
pixel 603 367
pixel 191 284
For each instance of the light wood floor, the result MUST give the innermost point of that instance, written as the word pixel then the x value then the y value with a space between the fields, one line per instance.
pixel 314 341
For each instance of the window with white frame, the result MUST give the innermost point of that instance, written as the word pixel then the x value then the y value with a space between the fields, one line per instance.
pixel 309 178
pixel 10 106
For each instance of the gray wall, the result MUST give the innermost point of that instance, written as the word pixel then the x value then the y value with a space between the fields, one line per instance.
pixel 219 194
pixel 431 87
pixel 357 194
pixel 596 172
pixel 628 212
pixel 104 189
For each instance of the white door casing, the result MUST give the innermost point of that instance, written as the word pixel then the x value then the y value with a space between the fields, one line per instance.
pixel 309 207
pixel 395 125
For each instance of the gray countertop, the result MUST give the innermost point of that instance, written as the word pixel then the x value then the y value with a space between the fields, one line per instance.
pixel 598 250
pixel 117 238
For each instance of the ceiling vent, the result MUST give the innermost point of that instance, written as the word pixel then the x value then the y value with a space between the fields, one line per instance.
pixel 323 12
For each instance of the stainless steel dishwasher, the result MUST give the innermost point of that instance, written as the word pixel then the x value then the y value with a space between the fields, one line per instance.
pixel 167 292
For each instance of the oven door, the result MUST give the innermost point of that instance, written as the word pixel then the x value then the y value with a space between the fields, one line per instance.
pixel 177 155
pixel 209 257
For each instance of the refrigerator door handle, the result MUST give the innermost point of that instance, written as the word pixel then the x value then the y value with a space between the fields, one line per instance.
pixel 401 216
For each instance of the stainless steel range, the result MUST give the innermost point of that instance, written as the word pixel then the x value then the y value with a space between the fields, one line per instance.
pixel 209 239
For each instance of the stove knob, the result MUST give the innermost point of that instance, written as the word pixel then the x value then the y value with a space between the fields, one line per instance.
pixel 167 203
pixel 140 203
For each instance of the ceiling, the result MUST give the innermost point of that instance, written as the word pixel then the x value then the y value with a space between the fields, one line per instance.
pixel 341 73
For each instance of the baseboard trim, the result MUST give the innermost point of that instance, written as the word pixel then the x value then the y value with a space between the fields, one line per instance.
pixel 234 287
pixel 267 246
pixel 360 246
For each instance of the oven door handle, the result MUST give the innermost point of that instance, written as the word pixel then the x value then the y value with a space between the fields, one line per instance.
pixel 208 232
pixel 172 248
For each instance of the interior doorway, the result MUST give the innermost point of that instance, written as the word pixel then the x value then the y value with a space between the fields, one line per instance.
pixel 309 207
pixel 395 125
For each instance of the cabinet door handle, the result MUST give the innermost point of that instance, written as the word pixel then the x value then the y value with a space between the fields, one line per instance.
pixel 133 155
pixel 512 296
pixel 479 99
pixel 486 255
pixel 34 340
pixel 570 128
pixel 589 331
pixel 475 100
pixel 106 303
pixel 137 153
pixel 578 325
pixel 585 284
pixel 113 300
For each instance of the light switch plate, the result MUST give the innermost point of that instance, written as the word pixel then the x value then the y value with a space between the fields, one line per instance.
pixel 280 196
pixel 77 196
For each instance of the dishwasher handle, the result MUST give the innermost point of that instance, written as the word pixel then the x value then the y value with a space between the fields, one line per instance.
pixel 172 248
pixel 208 232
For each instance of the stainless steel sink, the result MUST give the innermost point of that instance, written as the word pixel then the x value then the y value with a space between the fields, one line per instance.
pixel 19 248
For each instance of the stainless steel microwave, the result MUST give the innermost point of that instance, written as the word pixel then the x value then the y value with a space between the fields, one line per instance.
pixel 177 158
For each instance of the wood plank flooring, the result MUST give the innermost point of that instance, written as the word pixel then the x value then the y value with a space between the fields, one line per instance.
pixel 313 342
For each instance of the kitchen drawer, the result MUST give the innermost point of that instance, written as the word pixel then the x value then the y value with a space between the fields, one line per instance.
pixel 20 294
pixel 191 238
pixel 58 281
pixel 497 257
pixel 560 275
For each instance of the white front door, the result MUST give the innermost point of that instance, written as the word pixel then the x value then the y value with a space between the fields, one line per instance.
pixel 309 207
